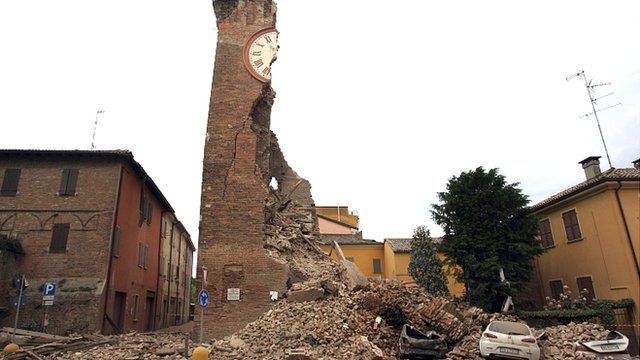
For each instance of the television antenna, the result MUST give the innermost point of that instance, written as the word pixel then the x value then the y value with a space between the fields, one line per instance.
pixel 95 126
pixel 591 90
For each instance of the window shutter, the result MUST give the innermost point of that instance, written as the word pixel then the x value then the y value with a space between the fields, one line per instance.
pixel 10 182
pixel 116 241
pixel 586 282
pixel 72 181
pixel 68 182
pixel 571 226
pixel 146 256
pixel 556 288
pixel 149 211
pixel 140 254
pixel 59 238
pixel 377 266
pixel 545 233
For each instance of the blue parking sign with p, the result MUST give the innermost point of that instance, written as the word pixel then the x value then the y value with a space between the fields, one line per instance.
pixel 49 289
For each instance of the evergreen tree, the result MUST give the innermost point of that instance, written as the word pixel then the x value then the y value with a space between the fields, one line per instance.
pixel 425 267
pixel 487 226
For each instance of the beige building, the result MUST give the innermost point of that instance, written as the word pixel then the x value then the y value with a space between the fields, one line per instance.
pixel 176 264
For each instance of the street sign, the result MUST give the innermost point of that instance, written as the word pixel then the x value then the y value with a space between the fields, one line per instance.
pixel 49 292
pixel 203 298
pixel 233 294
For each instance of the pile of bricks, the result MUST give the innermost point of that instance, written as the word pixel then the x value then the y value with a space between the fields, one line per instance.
pixel 362 324
pixel 345 326
pixel 322 316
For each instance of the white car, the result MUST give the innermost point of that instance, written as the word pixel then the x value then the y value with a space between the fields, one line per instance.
pixel 613 347
pixel 508 339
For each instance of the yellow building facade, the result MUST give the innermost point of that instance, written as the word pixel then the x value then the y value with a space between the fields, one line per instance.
pixel 591 232
pixel 376 260
pixel 387 260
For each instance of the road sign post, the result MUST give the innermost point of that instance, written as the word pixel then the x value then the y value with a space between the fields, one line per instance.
pixel 203 301
pixel 19 304
pixel 48 294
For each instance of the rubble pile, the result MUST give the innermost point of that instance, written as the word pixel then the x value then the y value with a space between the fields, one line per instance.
pixel 325 314
pixel 95 347
pixel 291 238
pixel 562 339
pixel 339 327
pixel 345 327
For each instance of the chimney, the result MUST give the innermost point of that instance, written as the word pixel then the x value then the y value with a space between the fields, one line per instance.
pixel 591 166
pixel 636 164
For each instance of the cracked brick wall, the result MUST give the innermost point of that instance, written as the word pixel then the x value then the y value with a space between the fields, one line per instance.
pixel 241 156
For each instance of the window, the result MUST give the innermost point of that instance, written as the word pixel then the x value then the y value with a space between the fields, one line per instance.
pixel 556 288
pixel 146 210
pixel 545 233
pixel 134 309
pixel 68 183
pixel 116 241
pixel 377 266
pixel 571 226
pixel 59 238
pixel 586 283
pixel 163 230
pixel 149 212
pixel 10 182
pixel 143 255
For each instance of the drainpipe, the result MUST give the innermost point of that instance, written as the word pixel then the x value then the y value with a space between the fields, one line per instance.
pixel 107 288
pixel 178 310
pixel 158 288
pixel 167 305
pixel 626 228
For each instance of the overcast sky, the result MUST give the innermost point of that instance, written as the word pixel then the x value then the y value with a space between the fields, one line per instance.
pixel 378 103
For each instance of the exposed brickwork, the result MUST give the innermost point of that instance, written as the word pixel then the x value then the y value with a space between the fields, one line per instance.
pixel 106 202
pixel 31 215
pixel 235 176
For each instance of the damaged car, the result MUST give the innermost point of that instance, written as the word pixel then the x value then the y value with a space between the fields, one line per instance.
pixel 614 346
pixel 415 344
pixel 509 339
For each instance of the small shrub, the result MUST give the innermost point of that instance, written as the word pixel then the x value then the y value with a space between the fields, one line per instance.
pixel 11 244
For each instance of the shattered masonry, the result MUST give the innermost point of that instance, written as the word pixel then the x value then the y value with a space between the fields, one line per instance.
pixel 247 229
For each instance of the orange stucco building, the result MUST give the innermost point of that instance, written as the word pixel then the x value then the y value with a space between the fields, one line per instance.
pixel 591 232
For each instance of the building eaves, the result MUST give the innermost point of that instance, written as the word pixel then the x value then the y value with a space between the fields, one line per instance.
pixel 403 245
pixel 345 239
pixel 337 222
pixel 611 175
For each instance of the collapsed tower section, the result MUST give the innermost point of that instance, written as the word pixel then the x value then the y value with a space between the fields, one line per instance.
pixel 247 226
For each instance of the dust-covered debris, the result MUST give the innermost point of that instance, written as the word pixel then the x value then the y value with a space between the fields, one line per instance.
pixel 336 327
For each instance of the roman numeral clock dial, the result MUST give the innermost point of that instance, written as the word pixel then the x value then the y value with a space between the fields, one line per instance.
pixel 259 52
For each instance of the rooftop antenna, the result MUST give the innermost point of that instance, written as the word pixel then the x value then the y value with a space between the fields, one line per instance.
pixel 590 90
pixel 95 125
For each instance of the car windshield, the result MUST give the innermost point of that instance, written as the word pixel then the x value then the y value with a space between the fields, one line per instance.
pixel 509 328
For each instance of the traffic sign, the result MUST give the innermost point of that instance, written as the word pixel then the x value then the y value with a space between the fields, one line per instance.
pixel 203 298
pixel 49 292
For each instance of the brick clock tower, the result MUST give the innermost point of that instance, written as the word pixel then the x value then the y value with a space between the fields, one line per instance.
pixel 241 158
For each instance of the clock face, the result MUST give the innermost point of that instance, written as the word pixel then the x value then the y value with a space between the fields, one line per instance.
pixel 259 52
